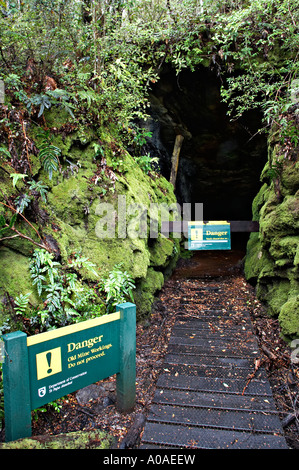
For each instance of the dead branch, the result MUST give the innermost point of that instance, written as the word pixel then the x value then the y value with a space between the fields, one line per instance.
pixel 269 353
pixel 257 364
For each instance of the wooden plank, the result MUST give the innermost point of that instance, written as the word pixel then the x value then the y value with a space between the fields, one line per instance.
pixel 216 372
pixel 175 158
pixel 215 418
pixel 169 435
pixel 214 400
pixel 240 226
pixel 214 384
pixel 212 350
pixel 207 360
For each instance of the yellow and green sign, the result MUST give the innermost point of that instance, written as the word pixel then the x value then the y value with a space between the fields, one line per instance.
pixel 42 368
pixel 214 235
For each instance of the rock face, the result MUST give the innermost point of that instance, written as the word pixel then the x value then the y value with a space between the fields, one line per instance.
pixel 87 190
pixel 272 258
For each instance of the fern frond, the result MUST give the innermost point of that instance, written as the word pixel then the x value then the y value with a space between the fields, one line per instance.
pixel 49 155
pixel 22 303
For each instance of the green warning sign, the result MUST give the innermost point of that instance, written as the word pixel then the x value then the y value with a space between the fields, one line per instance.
pixel 213 235
pixel 44 367
pixel 64 360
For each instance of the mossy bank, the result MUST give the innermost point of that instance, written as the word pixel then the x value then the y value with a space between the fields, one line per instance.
pixel 272 260
pixel 100 203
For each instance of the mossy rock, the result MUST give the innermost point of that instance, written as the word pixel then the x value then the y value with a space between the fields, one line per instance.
pixel 73 440
pixel 162 251
pixel 15 275
pixel 280 219
pixel 272 257
pixel 289 318
pixel 73 216
pixel 289 178
pixel 257 261
pixel 259 201
pixel 146 290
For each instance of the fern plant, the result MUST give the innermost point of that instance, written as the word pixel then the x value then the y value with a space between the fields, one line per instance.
pixel 146 162
pixel 21 303
pixel 66 299
pixel 118 286
pixel 49 154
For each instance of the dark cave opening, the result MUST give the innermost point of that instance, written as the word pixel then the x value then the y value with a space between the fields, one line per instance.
pixel 220 159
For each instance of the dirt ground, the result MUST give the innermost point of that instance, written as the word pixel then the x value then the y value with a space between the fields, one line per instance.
pixel 151 345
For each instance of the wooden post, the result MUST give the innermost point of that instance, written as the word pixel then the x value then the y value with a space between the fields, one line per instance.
pixel 175 158
pixel 16 387
pixel 126 378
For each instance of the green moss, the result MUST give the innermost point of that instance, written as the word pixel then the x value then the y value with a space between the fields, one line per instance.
pixel 280 219
pixel 56 117
pixel 289 317
pixel 289 178
pixel 146 290
pixel 72 440
pixel 272 257
pixel 15 275
pixel 285 247
pixel 161 252
pixel 74 218
pixel 257 261
pixel 69 200
pixel 278 295
pixel 259 200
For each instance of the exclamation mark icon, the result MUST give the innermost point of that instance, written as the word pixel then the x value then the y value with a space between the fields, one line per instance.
pixel 48 363
pixel 49 357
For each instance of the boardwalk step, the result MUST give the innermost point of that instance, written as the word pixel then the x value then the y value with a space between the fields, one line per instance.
pixel 212 349
pixel 170 436
pixel 209 394
pixel 215 400
pixel 250 421
pixel 208 360
pixel 215 371
pixel 215 384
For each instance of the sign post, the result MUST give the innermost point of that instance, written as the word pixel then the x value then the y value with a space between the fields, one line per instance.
pixel 16 387
pixel 44 367
pixel 214 235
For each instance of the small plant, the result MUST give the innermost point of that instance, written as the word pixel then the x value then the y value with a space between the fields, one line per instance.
pixel 41 100
pixel 40 188
pixel 5 152
pixel 55 405
pixel 138 136
pixel 16 177
pixel 49 154
pixel 118 287
pixel 146 162
pixel 21 303
pixel 66 299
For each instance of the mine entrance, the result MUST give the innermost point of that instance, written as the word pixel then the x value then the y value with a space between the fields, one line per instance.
pixel 220 159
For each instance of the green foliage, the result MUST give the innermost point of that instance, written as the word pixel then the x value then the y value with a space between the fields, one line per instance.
pixel 146 162
pixel 40 187
pixel 247 39
pixel 118 287
pixel 65 298
pixel 41 100
pixel 48 153
pixel 21 303
pixel 5 152
pixel 16 177
pixel 6 225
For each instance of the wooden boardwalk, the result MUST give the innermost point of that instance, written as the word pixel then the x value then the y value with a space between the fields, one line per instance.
pixel 209 395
